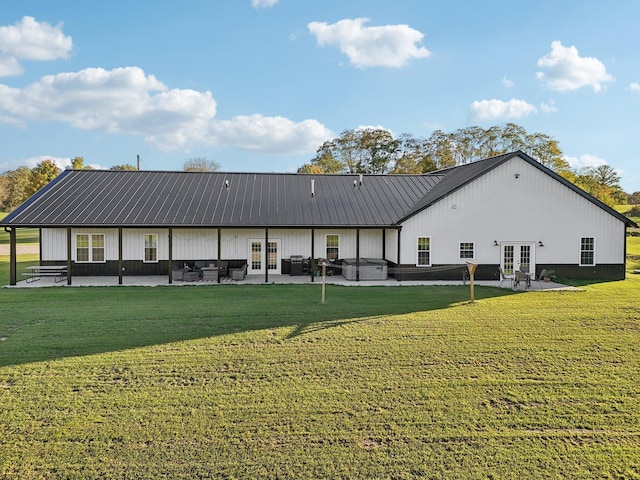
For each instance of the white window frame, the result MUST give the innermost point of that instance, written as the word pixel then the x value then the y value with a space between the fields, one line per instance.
pixel 91 248
pixel 472 250
pixel 326 245
pixel 418 252
pixel 155 243
pixel 592 251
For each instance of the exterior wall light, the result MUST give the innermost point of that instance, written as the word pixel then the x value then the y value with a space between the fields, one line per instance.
pixel 540 244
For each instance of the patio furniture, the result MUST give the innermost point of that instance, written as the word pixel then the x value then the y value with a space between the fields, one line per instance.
pixel 504 277
pixel 522 277
pixel 58 272
pixel 191 276
pixel 238 273
pixel 210 273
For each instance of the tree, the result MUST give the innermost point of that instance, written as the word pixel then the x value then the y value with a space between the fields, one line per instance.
pixel 634 198
pixel 309 168
pixel 412 156
pixel 606 175
pixel 366 150
pixel 42 174
pixel 77 163
pixel 124 166
pixel 19 186
pixel 200 164
pixel 4 191
pixel 603 182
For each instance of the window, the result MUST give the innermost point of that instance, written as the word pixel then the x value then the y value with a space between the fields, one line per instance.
pixel 151 247
pixel 90 247
pixel 424 251
pixel 466 250
pixel 82 248
pixel 587 251
pixel 333 246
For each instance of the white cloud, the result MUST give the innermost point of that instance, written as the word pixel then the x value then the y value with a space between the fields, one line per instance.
pixel 263 3
pixel 506 82
pixel 60 162
pixel 634 87
pixel 489 110
pixel 549 107
pixel 127 101
pixel 566 70
pixel 384 46
pixel 31 40
pixel 270 134
pixel 584 161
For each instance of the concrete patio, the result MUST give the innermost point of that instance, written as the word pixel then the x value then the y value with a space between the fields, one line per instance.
pixel 162 280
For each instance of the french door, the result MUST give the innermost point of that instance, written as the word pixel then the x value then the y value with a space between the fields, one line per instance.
pixel 518 256
pixel 264 256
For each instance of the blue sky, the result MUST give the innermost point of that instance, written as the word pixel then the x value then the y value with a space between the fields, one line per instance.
pixel 258 85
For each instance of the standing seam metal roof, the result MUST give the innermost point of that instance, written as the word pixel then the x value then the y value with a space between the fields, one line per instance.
pixel 150 198
pixel 217 199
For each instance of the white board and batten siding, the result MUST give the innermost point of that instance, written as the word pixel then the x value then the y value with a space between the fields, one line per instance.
pixel 54 243
pixel 199 244
pixel 514 203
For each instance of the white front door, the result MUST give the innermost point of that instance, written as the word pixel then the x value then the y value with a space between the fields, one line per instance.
pixel 518 256
pixel 264 255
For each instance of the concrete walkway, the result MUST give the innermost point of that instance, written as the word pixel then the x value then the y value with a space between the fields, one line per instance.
pixel 159 280
pixel 23 249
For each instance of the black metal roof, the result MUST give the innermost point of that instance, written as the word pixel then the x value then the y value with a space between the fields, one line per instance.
pixel 147 198
pixel 99 198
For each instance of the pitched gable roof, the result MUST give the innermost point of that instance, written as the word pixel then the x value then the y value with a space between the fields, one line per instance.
pixel 461 175
pixel 98 198
pixel 145 198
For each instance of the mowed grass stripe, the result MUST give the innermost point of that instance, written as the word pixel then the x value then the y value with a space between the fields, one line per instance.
pixel 264 382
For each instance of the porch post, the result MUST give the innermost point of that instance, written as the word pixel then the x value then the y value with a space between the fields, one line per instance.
pixel 13 257
pixel 312 260
pixel 384 243
pixel 119 255
pixel 266 255
pixel 398 259
pixel 357 254
pixel 170 266
pixel 69 256
pixel 219 261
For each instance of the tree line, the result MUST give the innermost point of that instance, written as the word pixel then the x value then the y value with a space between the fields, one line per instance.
pixel 16 186
pixel 375 150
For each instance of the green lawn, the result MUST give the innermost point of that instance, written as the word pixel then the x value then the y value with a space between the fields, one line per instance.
pixel 23 235
pixel 246 381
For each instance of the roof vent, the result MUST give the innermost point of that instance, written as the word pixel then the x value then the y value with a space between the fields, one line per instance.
pixel 226 183
pixel 313 187
pixel 355 183
pixel 360 179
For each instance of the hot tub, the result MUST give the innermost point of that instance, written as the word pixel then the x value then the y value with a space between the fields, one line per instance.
pixel 370 269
